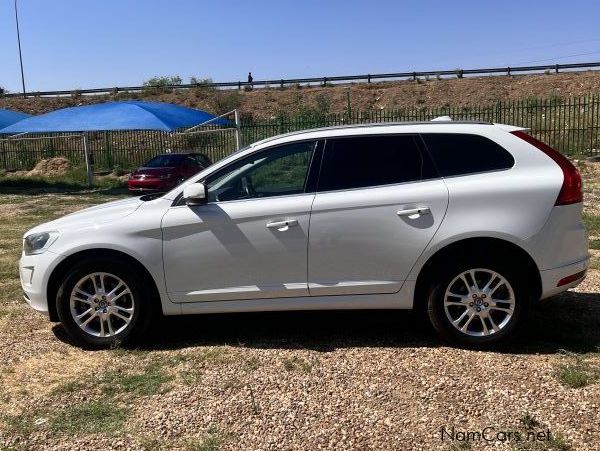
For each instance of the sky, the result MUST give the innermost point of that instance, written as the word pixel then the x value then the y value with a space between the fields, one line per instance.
pixel 78 44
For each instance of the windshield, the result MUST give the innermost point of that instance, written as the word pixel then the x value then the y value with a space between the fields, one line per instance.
pixel 163 161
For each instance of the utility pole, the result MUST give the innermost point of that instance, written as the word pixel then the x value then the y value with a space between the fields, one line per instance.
pixel 19 42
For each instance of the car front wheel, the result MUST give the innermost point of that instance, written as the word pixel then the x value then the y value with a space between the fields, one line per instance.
pixel 103 303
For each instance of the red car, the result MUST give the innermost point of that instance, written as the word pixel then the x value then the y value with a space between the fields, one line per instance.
pixel 165 171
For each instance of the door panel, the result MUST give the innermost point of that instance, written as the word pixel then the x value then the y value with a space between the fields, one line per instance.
pixel 367 240
pixel 227 251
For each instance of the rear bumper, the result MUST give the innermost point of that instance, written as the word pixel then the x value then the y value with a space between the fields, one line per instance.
pixel 551 277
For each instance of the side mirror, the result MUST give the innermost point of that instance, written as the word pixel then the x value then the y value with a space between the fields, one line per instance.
pixel 195 194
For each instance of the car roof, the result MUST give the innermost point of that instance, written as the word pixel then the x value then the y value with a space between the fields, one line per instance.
pixel 323 131
pixel 175 153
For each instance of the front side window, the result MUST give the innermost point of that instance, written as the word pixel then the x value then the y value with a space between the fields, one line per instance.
pixel 363 161
pixel 462 154
pixel 275 172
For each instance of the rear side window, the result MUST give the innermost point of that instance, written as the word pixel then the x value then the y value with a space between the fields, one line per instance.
pixel 459 154
pixel 371 161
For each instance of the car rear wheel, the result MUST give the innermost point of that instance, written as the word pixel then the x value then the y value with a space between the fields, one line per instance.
pixel 476 303
pixel 103 303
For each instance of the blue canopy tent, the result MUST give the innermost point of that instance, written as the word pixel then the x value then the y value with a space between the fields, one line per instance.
pixel 113 116
pixel 126 115
pixel 9 117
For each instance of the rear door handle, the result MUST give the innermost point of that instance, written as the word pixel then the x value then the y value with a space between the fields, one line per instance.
pixel 282 226
pixel 414 213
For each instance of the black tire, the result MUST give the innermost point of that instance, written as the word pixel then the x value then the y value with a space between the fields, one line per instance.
pixel 437 313
pixel 142 297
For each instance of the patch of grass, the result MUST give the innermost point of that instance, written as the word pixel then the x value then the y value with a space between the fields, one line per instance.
pixel 578 372
pixel 73 180
pixel 209 356
pixel 125 352
pixel 190 377
pixel 151 444
pixel 577 375
pixel 554 443
pixel 20 425
pixel 529 421
pixel 88 418
pixel 558 443
pixel 594 244
pixel 149 381
pixel 253 363
pixel 216 354
pixel 68 387
pixel 295 362
pixel 210 442
pixel 594 263
pixel 592 224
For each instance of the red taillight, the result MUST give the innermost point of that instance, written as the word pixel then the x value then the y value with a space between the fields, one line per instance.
pixel 570 193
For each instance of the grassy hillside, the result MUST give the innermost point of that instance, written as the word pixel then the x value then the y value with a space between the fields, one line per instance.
pixel 266 103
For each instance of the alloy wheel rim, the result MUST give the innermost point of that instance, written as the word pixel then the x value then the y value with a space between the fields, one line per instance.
pixel 102 304
pixel 479 302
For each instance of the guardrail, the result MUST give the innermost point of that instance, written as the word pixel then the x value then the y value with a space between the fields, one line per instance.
pixel 320 80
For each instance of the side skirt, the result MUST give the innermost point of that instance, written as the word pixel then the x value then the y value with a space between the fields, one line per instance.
pixel 401 300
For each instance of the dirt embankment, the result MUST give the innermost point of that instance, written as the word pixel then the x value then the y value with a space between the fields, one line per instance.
pixel 266 103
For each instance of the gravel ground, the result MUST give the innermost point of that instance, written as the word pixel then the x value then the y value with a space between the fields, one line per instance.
pixel 290 381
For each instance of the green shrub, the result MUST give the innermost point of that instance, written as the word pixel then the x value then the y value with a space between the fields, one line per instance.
pixel 161 84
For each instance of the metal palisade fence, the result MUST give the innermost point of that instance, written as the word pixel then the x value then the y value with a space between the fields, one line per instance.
pixel 572 126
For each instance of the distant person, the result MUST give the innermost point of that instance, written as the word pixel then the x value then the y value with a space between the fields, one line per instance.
pixel 250 79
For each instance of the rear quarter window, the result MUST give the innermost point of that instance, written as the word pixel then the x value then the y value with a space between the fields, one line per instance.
pixel 461 154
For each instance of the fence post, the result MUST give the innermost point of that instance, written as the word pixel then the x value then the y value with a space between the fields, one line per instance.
pixel 89 162
pixel 4 151
pixel 592 103
pixel 238 125
pixel 348 108
pixel 108 151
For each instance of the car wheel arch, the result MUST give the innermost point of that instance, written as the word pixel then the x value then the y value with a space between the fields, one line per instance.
pixel 476 246
pixel 62 269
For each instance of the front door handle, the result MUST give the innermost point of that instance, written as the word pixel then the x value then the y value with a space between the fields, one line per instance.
pixel 282 226
pixel 414 213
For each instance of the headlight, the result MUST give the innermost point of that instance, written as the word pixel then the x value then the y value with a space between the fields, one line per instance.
pixel 37 243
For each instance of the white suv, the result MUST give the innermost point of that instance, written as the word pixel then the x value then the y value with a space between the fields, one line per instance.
pixel 468 221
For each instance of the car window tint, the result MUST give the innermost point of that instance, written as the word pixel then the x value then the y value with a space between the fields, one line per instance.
pixel 202 159
pixel 371 161
pixel 275 172
pixel 459 154
pixel 162 161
